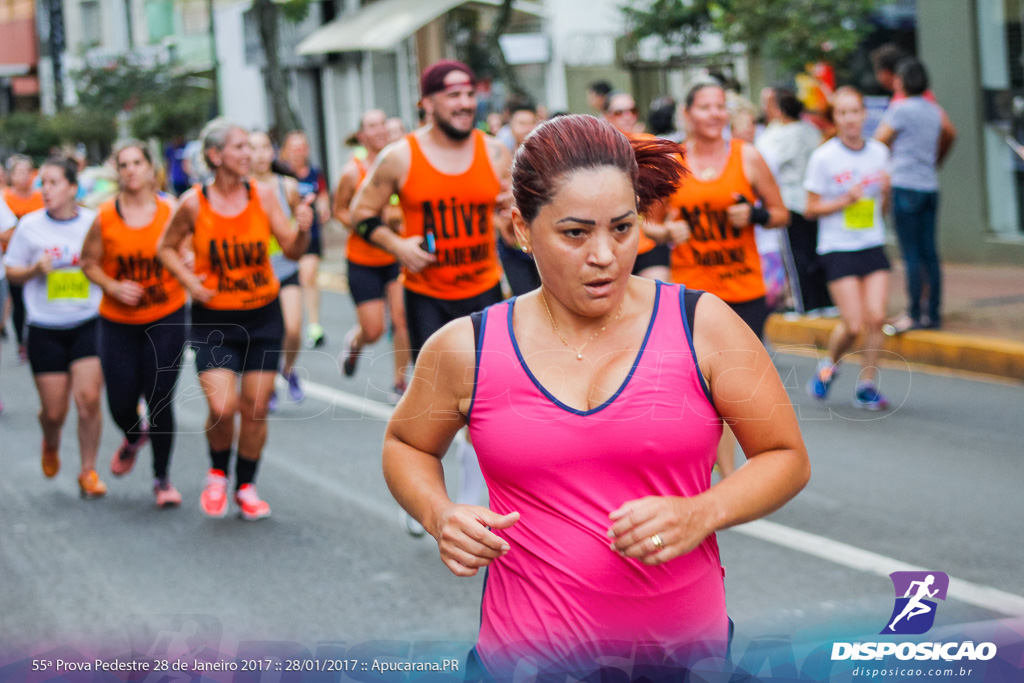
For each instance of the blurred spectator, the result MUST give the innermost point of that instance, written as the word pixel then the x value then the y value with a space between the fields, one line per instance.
pixel 788 142
pixel 522 119
pixel 520 269
pixel 495 121
pixel 597 95
pixel 620 111
pixel 295 152
pixel 396 129
pixel 920 135
pixel 661 121
pixel 174 158
pixel 743 124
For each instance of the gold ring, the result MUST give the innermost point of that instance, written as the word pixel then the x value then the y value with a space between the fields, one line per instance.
pixel 658 543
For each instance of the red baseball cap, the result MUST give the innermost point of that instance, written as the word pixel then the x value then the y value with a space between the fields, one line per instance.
pixel 432 78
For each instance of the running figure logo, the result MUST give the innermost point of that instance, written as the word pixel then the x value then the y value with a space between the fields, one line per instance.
pixel 914 612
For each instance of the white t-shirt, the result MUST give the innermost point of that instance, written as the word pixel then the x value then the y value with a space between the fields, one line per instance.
pixel 790 145
pixel 832 170
pixel 767 239
pixel 7 221
pixel 64 297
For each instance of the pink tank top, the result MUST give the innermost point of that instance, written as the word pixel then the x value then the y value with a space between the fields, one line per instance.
pixel 560 596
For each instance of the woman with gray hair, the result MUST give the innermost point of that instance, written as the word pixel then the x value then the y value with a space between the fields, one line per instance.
pixel 236 315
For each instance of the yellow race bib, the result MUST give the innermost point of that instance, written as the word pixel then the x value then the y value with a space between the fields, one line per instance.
pixel 67 285
pixel 275 246
pixel 860 215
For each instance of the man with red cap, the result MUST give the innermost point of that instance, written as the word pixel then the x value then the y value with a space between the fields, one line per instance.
pixel 449 178
pixel 452 182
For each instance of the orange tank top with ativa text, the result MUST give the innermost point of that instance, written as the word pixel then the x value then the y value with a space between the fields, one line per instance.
pixel 233 253
pixel 719 257
pixel 130 254
pixel 454 214
pixel 19 206
pixel 359 250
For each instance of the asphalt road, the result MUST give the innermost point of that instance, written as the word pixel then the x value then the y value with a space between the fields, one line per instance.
pixel 935 483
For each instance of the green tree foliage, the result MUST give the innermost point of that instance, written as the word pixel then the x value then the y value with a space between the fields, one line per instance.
pixel 793 32
pixel 28 133
pixel 162 103
pixel 677 22
pixel 92 127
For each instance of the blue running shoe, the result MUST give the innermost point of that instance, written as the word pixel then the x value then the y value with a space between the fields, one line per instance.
pixel 818 385
pixel 869 398
pixel 295 391
pixel 272 405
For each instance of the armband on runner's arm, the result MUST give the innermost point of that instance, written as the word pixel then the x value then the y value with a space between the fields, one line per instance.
pixel 760 216
pixel 366 227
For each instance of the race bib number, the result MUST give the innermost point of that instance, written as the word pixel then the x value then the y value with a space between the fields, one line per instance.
pixel 67 285
pixel 275 247
pixel 860 215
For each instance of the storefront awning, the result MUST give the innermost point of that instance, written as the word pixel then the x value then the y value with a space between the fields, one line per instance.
pixel 382 25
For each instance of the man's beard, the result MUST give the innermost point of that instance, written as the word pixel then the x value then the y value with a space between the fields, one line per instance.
pixel 453 132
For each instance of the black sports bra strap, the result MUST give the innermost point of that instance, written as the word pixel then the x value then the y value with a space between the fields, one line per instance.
pixel 477 318
pixel 690 297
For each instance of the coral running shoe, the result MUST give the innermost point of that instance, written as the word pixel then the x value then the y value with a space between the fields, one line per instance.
pixel 124 459
pixel 250 507
pixel 819 385
pixel 166 495
pixel 869 398
pixel 51 461
pixel 90 486
pixel 214 499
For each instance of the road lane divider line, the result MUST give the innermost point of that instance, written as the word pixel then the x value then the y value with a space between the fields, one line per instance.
pixel 873 563
pixel 837 552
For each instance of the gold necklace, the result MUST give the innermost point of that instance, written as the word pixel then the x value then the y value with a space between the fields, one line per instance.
pixel 579 351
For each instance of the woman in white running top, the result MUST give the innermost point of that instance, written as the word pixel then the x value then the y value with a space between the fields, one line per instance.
pixel 62 307
pixel 848 192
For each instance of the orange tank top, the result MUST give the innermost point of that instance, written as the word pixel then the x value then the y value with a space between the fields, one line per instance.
pixel 456 214
pixel 719 257
pixel 359 250
pixel 130 254
pixel 19 206
pixel 233 252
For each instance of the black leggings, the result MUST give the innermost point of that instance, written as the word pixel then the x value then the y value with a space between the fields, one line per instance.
pixel 17 310
pixel 144 361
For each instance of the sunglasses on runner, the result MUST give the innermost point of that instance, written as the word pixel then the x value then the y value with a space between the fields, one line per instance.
pixel 620 112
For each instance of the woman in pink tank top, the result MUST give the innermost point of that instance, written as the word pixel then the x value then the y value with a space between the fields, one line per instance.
pixel 596 430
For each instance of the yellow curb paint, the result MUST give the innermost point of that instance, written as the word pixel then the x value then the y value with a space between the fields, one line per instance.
pixel 997 357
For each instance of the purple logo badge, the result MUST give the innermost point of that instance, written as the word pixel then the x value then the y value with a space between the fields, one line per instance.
pixel 916 592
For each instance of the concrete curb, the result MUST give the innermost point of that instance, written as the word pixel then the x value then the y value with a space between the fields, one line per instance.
pixel 996 357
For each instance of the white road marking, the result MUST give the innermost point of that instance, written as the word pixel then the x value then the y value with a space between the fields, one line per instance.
pixel 874 563
pixel 850 556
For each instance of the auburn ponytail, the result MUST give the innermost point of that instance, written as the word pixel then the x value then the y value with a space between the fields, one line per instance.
pixel 571 143
pixel 660 170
